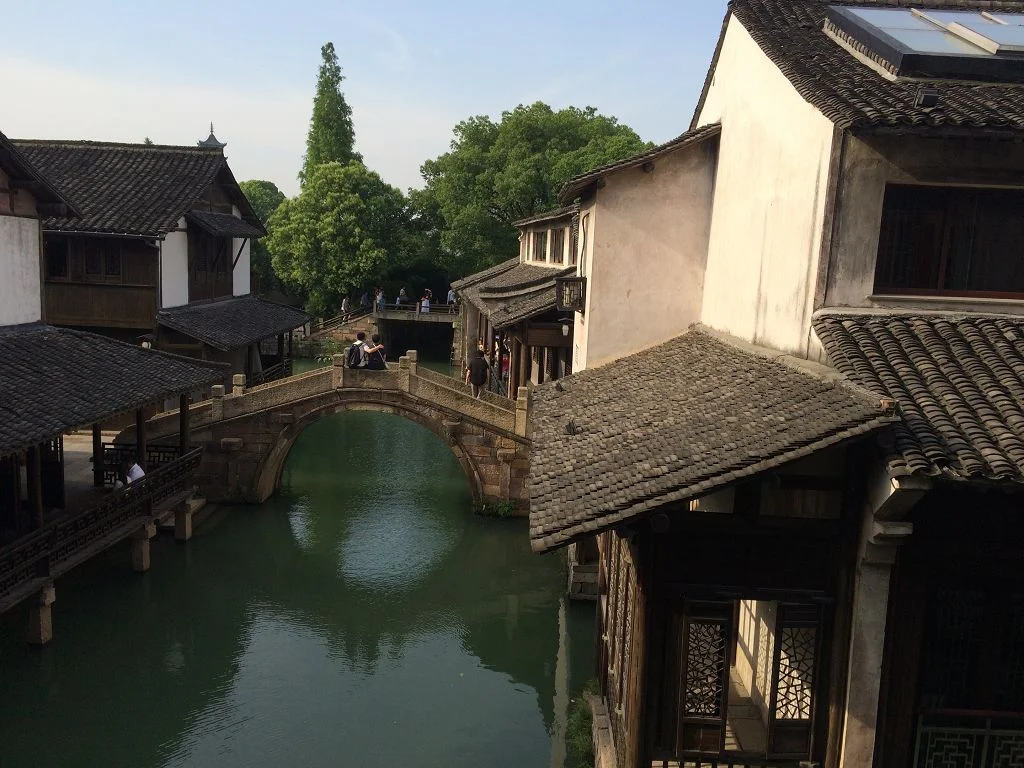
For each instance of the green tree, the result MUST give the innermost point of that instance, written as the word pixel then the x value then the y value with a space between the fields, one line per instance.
pixel 265 197
pixel 331 136
pixel 496 173
pixel 341 233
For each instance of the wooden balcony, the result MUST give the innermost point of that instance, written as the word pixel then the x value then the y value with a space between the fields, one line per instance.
pixel 103 305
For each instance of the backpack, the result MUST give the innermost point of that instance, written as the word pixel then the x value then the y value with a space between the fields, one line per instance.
pixel 354 356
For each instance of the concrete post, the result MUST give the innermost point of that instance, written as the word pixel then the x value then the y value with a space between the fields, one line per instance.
pixel 338 371
pixel 413 356
pixel 404 373
pixel 140 547
pixel 879 545
pixel 40 616
pixel 217 402
pixel 183 522
pixel 522 411
pixel 238 384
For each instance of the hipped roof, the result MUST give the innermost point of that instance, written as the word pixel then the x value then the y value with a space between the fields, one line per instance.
pixel 233 321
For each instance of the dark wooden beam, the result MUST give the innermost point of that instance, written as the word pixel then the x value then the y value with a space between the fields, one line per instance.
pixel 140 437
pixel 34 472
pixel 97 456
pixel 184 434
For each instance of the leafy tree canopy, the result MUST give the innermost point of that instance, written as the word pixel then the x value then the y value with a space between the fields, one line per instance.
pixel 265 197
pixel 497 173
pixel 331 136
pixel 339 235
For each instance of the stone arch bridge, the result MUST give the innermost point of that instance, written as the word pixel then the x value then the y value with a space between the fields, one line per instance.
pixel 248 433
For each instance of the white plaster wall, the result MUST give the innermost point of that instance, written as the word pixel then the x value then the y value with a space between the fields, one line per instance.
pixel 769 200
pixel 584 258
pixel 20 287
pixel 647 270
pixel 241 277
pixel 174 268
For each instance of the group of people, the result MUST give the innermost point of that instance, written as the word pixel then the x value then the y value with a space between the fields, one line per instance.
pixel 365 354
pixel 379 300
pixel 485 374
pixel 128 473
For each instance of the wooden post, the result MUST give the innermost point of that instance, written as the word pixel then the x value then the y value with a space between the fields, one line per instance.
pixel 280 348
pixel 524 366
pixel 40 616
pixel 97 456
pixel 184 436
pixel 34 472
pixel 140 438
pixel 290 333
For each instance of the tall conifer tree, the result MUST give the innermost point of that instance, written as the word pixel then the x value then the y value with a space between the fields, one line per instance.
pixel 331 136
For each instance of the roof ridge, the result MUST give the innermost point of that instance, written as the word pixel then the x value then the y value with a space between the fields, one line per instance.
pixel 90 143
pixel 924 314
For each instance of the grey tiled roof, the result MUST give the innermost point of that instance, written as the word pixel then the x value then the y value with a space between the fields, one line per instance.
pixel 578 184
pixel 56 379
pixel 231 322
pixel 479 277
pixel 555 213
pixel 958 381
pixel 18 168
pixel 134 189
pixel 515 294
pixel 675 422
pixel 224 224
pixel 850 93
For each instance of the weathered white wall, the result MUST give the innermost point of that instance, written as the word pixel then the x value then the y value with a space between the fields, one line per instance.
pixel 174 268
pixel 584 259
pixel 20 287
pixel 868 165
pixel 647 269
pixel 241 277
pixel 769 200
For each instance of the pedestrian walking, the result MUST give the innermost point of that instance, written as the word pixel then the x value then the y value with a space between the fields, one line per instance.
pixel 477 373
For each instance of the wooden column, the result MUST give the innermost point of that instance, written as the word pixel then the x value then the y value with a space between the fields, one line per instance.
pixel 290 334
pixel 184 435
pixel 34 473
pixel 280 347
pixel 140 438
pixel 525 360
pixel 97 456
pixel 513 367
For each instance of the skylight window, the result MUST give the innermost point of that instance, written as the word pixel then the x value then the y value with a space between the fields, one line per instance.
pixel 930 43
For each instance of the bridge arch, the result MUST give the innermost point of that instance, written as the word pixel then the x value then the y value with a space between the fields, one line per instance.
pixel 268 477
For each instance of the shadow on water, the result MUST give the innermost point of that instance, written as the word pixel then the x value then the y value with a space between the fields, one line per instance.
pixel 363 616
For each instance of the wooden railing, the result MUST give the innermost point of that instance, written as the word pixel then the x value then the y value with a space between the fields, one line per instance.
pixel 281 370
pixel 47 553
pixel 116 454
pixel 969 739
pixel 725 760
pixel 414 308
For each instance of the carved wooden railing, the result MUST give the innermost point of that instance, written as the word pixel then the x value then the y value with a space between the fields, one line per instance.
pixel 969 739
pixel 116 454
pixel 59 546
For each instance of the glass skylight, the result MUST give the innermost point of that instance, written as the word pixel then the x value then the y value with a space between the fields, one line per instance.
pixel 924 42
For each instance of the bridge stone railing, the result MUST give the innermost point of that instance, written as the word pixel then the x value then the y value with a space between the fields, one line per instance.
pixel 448 393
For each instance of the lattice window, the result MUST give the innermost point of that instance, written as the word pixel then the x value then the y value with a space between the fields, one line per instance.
pixel 625 628
pixel 795 687
pixel 954 636
pixel 705 662
pixel 1011 679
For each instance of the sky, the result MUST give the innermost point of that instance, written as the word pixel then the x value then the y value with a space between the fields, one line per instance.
pixel 123 71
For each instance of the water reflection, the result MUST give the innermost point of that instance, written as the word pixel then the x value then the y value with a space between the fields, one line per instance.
pixel 362 617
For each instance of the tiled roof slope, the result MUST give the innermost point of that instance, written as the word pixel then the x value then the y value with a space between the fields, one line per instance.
pixel 516 294
pixel 486 274
pixel 124 188
pixel 575 187
pixel 16 165
pixel 224 224
pixel 231 322
pixel 56 379
pixel 674 422
pixel 852 94
pixel 958 381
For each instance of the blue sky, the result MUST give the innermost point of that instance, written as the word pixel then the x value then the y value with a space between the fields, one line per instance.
pixel 125 70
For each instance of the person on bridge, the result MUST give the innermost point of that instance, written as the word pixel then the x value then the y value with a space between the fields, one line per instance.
pixel 358 355
pixel 477 372
pixel 451 295
pixel 402 296
pixel 425 302
pixel 345 308
pixel 375 358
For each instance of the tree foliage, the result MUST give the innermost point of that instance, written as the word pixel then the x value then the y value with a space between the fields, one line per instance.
pixel 331 137
pixel 496 173
pixel 340 234
pixel 265 197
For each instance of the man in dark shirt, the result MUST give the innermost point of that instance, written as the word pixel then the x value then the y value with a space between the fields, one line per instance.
pixel 477 372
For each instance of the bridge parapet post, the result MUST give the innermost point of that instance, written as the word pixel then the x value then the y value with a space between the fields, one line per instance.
pixel 522 411
pixel 217 402
pixel 238 385
pixel 413 356
pixel 338 371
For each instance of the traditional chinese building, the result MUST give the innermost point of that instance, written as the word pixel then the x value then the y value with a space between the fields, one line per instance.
pixel 158 229
pixel 807 503
pixel 56 380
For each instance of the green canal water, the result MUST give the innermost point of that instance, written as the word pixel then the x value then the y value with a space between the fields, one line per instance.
pixel 361 617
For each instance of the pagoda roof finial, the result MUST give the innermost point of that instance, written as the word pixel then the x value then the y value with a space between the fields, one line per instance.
pixel 211 141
